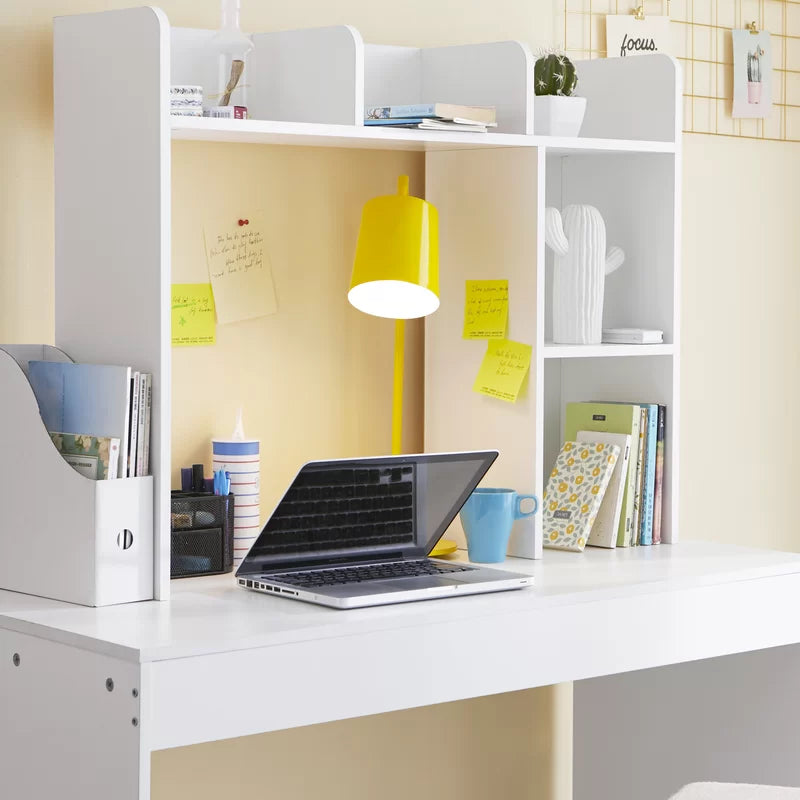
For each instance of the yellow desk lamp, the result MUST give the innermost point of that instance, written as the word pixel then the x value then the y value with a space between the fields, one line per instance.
pixel 396 276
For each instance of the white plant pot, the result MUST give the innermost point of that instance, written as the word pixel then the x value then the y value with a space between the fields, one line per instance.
pixel 558 116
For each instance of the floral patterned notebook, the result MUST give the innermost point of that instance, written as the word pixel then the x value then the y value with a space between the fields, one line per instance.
pixel 575 491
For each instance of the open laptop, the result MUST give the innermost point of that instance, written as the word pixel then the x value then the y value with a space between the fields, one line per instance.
pixel 357 533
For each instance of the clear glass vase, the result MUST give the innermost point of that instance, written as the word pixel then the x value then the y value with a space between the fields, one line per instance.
pixel 228 52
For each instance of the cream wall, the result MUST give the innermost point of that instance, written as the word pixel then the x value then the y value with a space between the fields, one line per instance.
pixel 740 361
pixel 740 365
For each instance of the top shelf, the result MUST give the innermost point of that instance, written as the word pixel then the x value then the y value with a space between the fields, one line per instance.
pixel 312 87
pixel 310 134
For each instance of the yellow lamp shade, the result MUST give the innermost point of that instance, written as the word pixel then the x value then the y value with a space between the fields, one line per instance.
pixel 396 269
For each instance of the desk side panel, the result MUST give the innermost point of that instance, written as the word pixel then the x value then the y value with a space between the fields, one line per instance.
pixel 63 734
pixel 731 719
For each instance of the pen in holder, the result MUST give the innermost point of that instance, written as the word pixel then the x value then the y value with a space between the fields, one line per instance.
pixel 202 534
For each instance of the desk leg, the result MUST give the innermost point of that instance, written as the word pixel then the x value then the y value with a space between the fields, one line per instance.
pixel 66 732
pixel 643 735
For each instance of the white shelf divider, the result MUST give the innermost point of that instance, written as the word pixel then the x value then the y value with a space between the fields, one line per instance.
pixel 112 213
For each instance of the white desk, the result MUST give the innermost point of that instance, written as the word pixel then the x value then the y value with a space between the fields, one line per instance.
pixel 599 614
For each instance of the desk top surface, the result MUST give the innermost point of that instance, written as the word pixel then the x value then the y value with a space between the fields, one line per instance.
pixel 213 615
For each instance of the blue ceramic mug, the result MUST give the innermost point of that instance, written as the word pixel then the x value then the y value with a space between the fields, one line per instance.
pixel 487 518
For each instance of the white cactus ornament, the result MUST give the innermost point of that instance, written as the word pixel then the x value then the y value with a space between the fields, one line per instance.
pixel 581 266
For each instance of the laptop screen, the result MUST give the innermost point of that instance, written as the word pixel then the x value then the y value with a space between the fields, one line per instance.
pixel 338 510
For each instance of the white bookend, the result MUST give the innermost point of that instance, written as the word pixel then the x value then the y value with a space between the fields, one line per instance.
pixel 65 536
pixel 605 528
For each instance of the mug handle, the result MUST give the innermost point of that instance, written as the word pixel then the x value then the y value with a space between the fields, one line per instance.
pixel 519 513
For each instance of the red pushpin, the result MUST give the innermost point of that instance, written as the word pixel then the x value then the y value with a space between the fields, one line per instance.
pixel 242 222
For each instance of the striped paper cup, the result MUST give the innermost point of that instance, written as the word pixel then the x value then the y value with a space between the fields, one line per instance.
pixel 243 461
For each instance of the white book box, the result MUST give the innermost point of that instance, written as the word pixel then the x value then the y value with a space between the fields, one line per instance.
pixel 65 536
pixel 310 87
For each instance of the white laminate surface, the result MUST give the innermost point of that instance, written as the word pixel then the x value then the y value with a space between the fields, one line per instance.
pixel 213 615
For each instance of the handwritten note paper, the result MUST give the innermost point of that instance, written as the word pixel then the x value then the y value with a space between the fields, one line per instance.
pixel 486 310
pixel 503 370
pixel 192 314
pixel 239 268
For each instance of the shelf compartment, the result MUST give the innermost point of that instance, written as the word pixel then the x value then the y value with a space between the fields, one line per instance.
pixel 552 350
pixel 498 74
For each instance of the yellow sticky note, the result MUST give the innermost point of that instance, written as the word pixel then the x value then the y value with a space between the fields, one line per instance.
pixel 192 314
pixel 239 268
pixel 486 310
pixel 503 370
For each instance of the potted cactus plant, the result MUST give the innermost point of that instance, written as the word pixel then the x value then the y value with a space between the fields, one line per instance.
pixel 556 111
pixel 754 74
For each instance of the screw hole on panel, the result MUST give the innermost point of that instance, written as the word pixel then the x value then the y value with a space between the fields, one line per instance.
pixel 16 659
pixel 135 692
pixel 125 539
pixel 135 722
pixel 109 684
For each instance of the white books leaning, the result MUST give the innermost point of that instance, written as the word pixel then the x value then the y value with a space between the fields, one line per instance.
pixel 632 336
pixel 133 414
pixel 605 528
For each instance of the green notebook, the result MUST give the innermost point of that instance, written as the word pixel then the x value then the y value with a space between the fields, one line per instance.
pixel 610 418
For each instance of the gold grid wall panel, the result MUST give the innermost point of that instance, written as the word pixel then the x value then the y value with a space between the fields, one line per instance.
pixel 702 42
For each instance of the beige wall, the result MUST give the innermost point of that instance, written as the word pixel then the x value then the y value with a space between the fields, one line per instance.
pixel 740 355
pixel 739 378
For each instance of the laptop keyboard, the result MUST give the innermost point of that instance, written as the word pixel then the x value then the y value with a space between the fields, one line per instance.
pixel 342 508
pixel 338 576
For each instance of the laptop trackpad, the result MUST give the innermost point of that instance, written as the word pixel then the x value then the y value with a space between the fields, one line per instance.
pixel 409 584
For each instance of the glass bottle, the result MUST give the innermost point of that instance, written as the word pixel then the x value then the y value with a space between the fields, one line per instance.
pixel 228 49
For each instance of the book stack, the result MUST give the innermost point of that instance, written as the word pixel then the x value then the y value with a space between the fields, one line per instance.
pixel 434 117
pixel 98 416
pixel 630 510
pixel 632 336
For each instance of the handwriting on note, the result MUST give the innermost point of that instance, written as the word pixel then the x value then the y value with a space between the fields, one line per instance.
pixel 486 310
pixel 503 370
pixel 192 314
pixel 239 268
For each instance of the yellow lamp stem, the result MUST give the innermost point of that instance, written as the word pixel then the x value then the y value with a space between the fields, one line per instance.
pixel 396 273
pixel 397 404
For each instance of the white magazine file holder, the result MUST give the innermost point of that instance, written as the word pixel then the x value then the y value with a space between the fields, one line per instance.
pixel 62 535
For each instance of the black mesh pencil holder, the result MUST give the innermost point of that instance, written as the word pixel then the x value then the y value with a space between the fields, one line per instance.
pixel 202 534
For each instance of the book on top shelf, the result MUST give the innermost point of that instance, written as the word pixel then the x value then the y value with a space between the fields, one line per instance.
pixel 611 418
pixel 606 527
pixel 432 124
pixel 575 491
pixel 447 111
pixel 632 336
